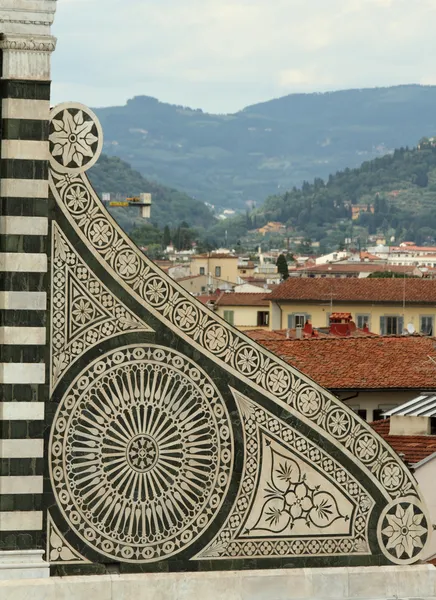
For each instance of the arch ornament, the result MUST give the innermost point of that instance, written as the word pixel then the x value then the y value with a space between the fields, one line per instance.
pixel 298 475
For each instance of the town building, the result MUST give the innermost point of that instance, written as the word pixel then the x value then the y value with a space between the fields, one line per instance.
pixel 246 269
pixel 357 269
pixel 244 311
pixel 272 227
pixel 358 209
pixel 387 306
pixel 203 284
pixel 221 266
pixel 254 286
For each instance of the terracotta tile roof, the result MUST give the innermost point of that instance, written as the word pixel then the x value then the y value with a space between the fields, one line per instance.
pixel 188 277
pixel 215 256
pixel 205 299
pixel 414 447
pixel 264 335
pixel 241 299
pixel 421 291
pixel 321 332
pixel 413 248
pixel 358 268
pixel 353 363
pixel 368 256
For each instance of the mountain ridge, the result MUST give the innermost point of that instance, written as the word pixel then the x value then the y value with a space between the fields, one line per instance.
pixel 235 159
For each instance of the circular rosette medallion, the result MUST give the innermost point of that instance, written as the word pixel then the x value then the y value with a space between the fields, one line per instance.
pixel 141 453
pixel 403 531
pixel 75 138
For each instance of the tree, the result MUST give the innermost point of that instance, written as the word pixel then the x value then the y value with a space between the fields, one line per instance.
pixel 166 236
pixel 282 267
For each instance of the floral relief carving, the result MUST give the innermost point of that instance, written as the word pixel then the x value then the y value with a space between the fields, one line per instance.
pixel 403 530
pixel 287 497
pixel 75 139
pixel 58 549
pixel 290 498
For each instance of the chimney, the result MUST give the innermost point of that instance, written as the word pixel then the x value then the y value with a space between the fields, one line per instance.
pixel 299 333
pixel 308 329
pixel 341 324
pixel 409 425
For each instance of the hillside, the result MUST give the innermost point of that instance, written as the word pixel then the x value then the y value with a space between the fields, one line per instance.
pixel 228 160
pixel 170 207
pixel 395 194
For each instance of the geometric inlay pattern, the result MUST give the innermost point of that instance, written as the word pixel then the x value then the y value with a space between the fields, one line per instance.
pixel 230 348
pixel 147 444
pixel 84 311
pixel 143 463
pixel 290 502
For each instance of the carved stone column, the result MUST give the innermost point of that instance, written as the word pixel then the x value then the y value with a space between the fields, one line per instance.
pixel 26 46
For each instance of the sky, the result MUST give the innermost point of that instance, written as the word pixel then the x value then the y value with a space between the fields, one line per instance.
pixel 223 55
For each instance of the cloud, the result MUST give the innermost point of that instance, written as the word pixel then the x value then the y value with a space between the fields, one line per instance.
pixel 224 55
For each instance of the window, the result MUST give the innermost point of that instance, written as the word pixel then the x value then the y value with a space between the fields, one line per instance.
pixel 362 412
pixel 391 325
pixel 297 320
pixel 426 325
pixel 361 320
pixel 201 270
pixel 217 271
pixel 262 318
pixel 229 316
pixel 377 413
pixel 300 320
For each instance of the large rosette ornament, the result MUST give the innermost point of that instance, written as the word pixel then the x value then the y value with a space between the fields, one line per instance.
pixel 76 138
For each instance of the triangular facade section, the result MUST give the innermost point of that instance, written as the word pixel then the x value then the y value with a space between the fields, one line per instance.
pixel 181 443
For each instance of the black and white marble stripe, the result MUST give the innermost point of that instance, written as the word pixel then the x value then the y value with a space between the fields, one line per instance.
pixel 23 303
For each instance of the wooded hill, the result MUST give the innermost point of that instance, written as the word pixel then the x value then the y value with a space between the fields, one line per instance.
pixel 228 160
pixel 400 188
pixel 169 207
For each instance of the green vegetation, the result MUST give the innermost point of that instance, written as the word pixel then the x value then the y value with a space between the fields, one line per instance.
pixel 229 160
pixel 169 207
pixel 282 267
pixel 396 195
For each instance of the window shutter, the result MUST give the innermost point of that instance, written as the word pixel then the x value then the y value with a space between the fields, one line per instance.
pixel 382 325
pixel 291 321
pixel 400 325
pixel 308 317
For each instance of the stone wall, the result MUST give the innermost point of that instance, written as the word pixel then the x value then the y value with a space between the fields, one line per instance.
pixel 26 46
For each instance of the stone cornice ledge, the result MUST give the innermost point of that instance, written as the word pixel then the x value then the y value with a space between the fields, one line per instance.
pixel 38 43
pixel 27 16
